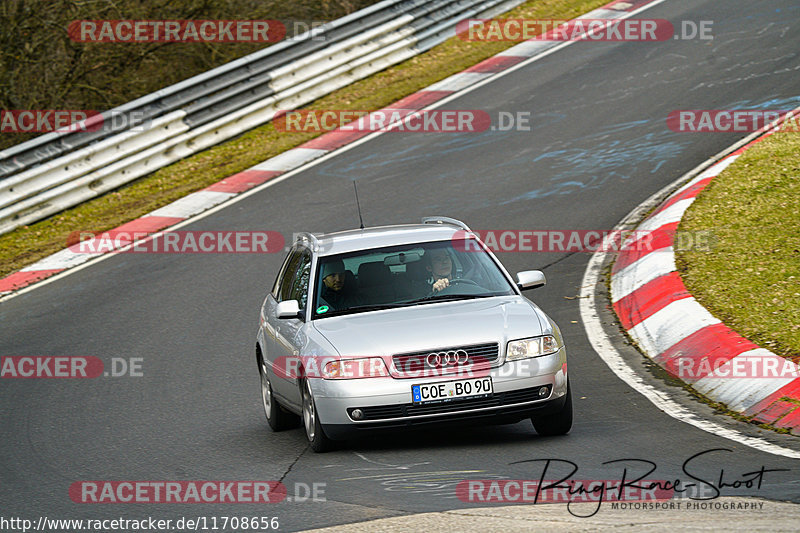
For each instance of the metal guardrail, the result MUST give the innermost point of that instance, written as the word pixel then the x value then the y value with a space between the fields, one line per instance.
pixel 59 170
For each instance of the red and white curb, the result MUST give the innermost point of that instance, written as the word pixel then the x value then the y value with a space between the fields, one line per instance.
pixel 205 199
pixel 674 330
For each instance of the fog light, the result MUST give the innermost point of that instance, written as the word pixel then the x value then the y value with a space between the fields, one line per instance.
pixel 544 391
pixel 357 414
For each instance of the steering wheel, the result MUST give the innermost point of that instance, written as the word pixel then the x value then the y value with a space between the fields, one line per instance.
pixel 462 280
pixel 452 285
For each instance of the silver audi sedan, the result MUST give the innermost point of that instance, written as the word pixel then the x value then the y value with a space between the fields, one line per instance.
pixel 403 326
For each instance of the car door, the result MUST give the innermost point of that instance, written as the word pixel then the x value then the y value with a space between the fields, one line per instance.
pixel 289 335
pixel 282 286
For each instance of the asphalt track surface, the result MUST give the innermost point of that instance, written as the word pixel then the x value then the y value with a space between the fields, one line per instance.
pixel 599 146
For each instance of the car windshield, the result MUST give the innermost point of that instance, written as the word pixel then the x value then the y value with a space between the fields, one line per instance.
pixel 406 275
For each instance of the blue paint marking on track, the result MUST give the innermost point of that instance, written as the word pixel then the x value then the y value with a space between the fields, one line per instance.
pixel 455 143
pixel 770 103
pixel 608 158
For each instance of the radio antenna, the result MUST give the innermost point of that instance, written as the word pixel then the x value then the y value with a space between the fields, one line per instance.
pixel 358 205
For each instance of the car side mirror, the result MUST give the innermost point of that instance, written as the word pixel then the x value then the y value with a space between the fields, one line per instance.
pixel 530 279
pixel 288 309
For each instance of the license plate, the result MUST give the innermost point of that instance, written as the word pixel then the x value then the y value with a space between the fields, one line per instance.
pixel 451 390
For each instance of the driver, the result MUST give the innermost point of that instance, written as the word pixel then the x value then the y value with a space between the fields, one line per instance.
pixel 440 266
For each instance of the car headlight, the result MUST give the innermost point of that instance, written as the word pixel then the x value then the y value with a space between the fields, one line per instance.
pixel 366 367
pixel 533 347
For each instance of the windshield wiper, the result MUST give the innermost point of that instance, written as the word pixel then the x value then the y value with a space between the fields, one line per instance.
pixel 359 308
pixel 378 307
pixel 375 307
pixel 447 298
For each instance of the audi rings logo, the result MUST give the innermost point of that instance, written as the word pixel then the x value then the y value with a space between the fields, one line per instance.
pixel 449 358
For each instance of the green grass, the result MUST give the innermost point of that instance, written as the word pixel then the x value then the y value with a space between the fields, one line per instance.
pixel 751 277
pixel 28 244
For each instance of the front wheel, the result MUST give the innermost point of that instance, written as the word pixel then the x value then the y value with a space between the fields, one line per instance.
pixel 556 423
pixel 316 436
pixel 277 418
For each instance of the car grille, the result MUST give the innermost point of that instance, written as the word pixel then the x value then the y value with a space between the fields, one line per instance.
pixel 413 365
pixel 383 412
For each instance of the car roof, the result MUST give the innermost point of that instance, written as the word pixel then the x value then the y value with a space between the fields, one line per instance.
pixel 377 237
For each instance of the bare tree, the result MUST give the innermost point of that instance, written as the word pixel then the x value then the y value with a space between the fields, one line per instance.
pixel 41 67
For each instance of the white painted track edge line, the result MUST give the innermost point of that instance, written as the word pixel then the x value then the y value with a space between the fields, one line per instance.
pixel 602 345
pixel 609 354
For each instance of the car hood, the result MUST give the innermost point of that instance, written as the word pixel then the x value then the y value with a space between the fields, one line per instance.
pixel 434 326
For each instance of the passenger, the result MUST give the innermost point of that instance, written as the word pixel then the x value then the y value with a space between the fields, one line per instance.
pixel 336 290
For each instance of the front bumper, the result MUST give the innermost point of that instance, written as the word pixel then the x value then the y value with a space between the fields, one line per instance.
pixel 388 403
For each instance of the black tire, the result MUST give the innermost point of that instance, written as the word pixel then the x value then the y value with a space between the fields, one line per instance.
pixel 277 418
pixel 556 423
pixel 317 438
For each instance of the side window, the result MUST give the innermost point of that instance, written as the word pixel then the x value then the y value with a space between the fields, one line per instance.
pixel 300 282
pixel 287 276
pixel 279 278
